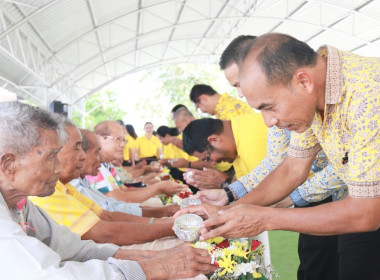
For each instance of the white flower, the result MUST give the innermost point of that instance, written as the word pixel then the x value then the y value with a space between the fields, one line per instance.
pixel 243 268
pixel 177 199
pixel 203 245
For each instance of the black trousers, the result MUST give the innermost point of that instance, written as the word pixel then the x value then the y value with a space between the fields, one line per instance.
pixel 359 256
pixel 318 255
pixel 340 257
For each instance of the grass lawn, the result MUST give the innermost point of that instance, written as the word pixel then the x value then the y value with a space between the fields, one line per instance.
pixel 284 257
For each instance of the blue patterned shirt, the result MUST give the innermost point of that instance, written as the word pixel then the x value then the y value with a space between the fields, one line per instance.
pixel 324 183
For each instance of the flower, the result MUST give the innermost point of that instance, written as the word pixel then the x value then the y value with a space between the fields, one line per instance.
pixel 236 258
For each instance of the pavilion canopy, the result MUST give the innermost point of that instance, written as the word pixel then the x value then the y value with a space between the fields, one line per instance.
pixel 68 49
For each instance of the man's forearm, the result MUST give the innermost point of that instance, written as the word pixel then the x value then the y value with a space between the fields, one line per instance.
pixel 122 217
pixel 134 255
pixel 124 233
pixel 279 183
pixel 138 195
pixel 158 212
pixel 345 216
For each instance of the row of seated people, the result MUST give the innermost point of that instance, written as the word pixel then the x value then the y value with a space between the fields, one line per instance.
pixel 47 148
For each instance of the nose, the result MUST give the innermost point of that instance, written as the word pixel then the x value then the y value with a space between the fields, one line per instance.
pixel 82 155
pixel 58 168
pixel 269 119
pixel 239 92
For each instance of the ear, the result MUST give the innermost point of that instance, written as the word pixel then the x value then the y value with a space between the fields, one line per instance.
pixel 202 98
pixel 304 80
pixel 213 139
pixel 7 165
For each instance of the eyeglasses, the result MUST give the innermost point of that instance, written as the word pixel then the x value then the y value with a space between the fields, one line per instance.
pixel 120 140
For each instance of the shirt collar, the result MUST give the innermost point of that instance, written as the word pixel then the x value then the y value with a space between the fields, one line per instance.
pixel 333 74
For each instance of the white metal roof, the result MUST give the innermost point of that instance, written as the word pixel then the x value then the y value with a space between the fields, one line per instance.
pixel 68 49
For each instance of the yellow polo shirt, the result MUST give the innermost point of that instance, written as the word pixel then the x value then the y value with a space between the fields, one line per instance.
pixel 131 144
pixel 67 206
pixel 349 133
pixel 229 107
pixel 250 134
pixel 148 147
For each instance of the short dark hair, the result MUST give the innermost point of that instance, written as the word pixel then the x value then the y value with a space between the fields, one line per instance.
pixel 131 130
pixel 176 107
pixel 200 89
pixel 120 122
pixel 233 51
pixel 163 130
pixel 196 133
pixel 280 55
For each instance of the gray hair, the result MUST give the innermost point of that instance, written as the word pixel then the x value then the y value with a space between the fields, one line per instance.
pixel 19 124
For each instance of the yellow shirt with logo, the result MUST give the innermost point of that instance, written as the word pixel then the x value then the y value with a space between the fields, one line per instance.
pixel 148 147
pixel 250 134
pixel 229 107
pixel 131 144
pixel 67 206
pixel 349 132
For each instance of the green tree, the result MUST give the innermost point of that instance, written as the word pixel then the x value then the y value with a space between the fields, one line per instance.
pixel 101 106
pixel 175 83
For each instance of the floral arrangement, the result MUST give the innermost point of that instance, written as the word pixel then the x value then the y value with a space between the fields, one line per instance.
pixel 175 199
pixel 236 259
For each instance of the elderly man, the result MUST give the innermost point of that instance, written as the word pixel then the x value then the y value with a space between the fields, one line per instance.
pixel 331 99
pixel 222 106
pixel 111 138
pixel 91 164
pixel 33 245
pixel 69 207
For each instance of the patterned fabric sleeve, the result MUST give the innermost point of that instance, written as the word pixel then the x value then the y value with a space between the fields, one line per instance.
pixel 303 145
pixel 320 186
pixel 363 176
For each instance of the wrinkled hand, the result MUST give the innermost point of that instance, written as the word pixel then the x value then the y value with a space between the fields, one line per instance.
pixel 179 162
pixel 213 197
pixel 206 211
pixel 170 187
pixel 208 178
pixel 184 261
pixel 239 221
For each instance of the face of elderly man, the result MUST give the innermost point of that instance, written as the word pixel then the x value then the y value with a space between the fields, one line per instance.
pixel 94 158
pixel 113 144
pixel 37 171
pixel 287 106
pixel 71 156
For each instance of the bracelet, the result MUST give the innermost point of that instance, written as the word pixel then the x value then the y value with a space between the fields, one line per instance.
pixel 229 194
pixel 151 221
pixel 189 164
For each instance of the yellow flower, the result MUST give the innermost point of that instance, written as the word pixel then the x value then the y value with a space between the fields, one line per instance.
pixel 226 263
pixel 239 252
pixel 215 240
pixel 256 274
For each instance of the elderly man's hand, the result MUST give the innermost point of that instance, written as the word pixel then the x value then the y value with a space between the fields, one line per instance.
pixel 239 221
pixel 206 211
pixel 169 187
pixel 185 261
pixel 208 178
pixel 213 197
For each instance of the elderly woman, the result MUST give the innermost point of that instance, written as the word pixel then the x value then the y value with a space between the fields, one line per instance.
pixel 33 245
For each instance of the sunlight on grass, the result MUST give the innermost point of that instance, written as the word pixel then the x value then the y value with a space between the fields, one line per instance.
pixel 284 256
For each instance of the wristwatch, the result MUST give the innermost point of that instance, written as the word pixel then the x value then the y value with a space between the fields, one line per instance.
pixel 230 195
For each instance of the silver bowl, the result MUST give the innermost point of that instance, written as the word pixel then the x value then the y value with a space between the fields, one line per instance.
pixel 186 227
pixel 190 201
